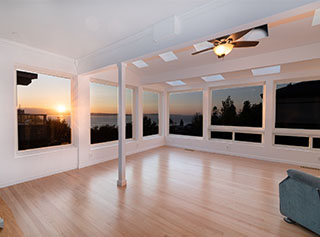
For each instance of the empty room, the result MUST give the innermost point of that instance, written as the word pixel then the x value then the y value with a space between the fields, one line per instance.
pixel 160 118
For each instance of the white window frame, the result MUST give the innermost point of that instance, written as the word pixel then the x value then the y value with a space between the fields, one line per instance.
pixel 238 129
pixel 133 109
pixel 295 132
pixel 168 113
pixel 41 150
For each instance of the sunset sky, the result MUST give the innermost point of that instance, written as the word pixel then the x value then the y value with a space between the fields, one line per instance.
pixel 47 94
pixel 104 99
pixel 186 103
pixel 238 95
pixel 150 102
pixel 51 95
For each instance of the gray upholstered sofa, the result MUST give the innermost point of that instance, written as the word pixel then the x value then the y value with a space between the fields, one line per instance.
pixel 300 199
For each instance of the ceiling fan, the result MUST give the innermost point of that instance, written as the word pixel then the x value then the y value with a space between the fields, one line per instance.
pixel 222 46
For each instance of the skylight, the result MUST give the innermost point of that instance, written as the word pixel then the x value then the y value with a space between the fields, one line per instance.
pixel 266 70
pixel 211 78
pixel 176 83
pixel 168 56
pixel 316 17
pixel 202 45
pixel 257 33
pixel 140 64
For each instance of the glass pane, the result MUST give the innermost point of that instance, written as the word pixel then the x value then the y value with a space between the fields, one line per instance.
pixel 237 106
pixel 248 137
pixel 291 141
pixel 150 113
pixel 316 142
pixel 222 135
pixel 186 113
pixel 44 113
pixel 104 113
pixel 298 105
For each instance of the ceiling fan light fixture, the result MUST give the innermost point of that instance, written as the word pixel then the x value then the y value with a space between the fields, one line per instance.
pixel 223 49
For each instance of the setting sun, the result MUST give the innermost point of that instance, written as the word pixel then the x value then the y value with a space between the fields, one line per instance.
pixel 61 109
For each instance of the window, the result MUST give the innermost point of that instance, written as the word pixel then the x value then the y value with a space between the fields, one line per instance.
pixel 248 137
pixel 150 113
pixel 222 135
pixel 291 140
pixel 235 109
pixel 44 110
pixel 104 113
pixel 298 105
pixel 316 143
pixel 237 106
pixel 185 110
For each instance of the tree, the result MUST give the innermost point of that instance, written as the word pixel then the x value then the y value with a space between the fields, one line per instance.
pixel 196 125
pixel 215 116
pixel 149 127
pixel 228 112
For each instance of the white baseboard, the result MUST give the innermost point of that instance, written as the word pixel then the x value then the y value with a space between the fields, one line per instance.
pixel 10 183
pixel 97 161
pixel 250 156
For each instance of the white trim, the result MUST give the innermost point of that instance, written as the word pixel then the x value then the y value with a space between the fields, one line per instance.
pixel 186 137
pixel 236 129
pixel 43 150
pixel 150 137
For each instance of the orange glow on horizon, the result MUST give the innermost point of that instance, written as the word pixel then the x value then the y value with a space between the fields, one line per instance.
pixel 61 109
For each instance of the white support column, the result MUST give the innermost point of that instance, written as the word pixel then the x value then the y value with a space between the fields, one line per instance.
pixel 205 113
pixel 122 124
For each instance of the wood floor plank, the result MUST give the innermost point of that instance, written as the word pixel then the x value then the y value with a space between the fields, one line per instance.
pixel 170 192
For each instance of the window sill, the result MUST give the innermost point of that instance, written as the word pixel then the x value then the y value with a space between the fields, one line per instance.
pixel 151 137
pixel 185 137
pixel 109 144
pixel 43 150
pixel 236 142
pixel 295 148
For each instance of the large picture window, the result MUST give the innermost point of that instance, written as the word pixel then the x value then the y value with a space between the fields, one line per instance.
pixel 150 113
pixel 298 105
pixel 237 106
pixel 104 113
pixel 185 109
pixel 44 110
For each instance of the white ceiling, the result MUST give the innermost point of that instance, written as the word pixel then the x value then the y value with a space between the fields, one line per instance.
pixel 76 28
pixel 286 35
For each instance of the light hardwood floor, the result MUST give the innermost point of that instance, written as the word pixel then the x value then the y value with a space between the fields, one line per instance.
pixel 170 192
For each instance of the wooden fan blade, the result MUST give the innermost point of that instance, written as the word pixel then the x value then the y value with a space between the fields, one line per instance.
pixel 218 39
pixel 201 51
pixel 238 35
pixel 242 44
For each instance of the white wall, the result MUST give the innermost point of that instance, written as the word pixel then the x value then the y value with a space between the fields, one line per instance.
pixel 266 150
pixel 16 167
pixel 96 153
